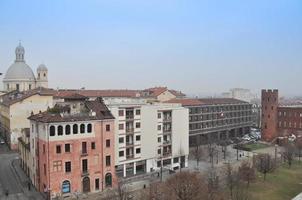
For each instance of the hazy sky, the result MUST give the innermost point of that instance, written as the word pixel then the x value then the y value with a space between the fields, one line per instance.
pixel 199 47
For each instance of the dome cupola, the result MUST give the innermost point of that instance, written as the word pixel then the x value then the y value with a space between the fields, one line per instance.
pixel 19 53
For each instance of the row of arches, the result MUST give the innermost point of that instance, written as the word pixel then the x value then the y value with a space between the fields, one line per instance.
pixel 66 185
pixel 68 129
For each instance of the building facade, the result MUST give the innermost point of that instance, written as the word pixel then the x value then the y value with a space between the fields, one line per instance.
pixel 279 120
pixel 149 136
pixel 216 119
pixel 16 107
pixel 20 76
pixel 72 148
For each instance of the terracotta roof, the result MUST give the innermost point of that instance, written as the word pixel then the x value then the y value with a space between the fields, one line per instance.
pixel 13 97
pixel 56 114
pixel 177 93
pixel 98 93
pixel 156 91
pixel 74 96
pixel 205 101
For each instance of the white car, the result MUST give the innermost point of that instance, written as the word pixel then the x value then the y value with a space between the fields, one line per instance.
pixel 2 141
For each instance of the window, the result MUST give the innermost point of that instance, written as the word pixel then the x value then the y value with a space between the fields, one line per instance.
pixel 44 169
pixel 138 150
pixel 58 148
pixel 68 166
pixel 67 148
pixel 175 160
pixel 158 151
pixel 67 130
pixel 52 131
pixel 82 128
pixel 107 143
pixel 158 115
pixel 159 139
pixel 107 127
pixel 121 113
pixel 66 187
pixel 121 154
pixel 60 130
pixel 108 160
pixel 97 184
pixel 17 87
pixel 57 165
pixel 138 138
pixel 84 165
pixel 137 125
pixel 7 86
pixel 84 147
pixel 121 126
pixel 75 129
pixel 43 148
pixel 121 140
pixel 89 128
pixel 272 107
pixel 92 145
pixel 138 112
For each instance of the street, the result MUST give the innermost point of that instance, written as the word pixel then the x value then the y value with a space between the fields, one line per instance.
pixel 12 179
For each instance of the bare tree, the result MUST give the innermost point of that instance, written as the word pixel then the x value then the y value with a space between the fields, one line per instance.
pixel 246 173
pixel 298 145
pixel 213 184
pixel 185 186
pixel 122 190
pixel 264 164
pixel 197 153
pixel 230 179
pixel 289 153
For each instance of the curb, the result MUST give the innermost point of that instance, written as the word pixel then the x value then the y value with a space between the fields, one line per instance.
pixel 16 174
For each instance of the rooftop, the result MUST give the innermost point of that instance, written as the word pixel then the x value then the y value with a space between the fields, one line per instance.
pixel 206 101
pixel 90 110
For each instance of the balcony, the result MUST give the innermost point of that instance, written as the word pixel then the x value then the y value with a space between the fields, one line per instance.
pixel 167 153
pixel 130 117
pixel 129 156
pixel 85 173
pixel 84 152
pixel 167 119
pixel 167 142
pixel 129 143
pixel 129 130
pixel 167 130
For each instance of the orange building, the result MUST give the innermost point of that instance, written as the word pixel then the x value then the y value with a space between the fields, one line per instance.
pixel 72 148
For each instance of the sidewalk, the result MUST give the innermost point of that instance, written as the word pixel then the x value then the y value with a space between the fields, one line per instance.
pixel 23 180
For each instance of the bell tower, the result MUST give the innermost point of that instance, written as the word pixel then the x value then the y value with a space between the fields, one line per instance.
pixel 42 76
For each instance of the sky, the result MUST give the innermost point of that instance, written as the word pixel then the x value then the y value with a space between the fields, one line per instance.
pixel 201 47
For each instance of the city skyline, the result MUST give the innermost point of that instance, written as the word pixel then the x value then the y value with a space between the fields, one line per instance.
pixel 182 45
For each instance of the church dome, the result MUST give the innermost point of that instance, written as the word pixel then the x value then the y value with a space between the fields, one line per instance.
pixel 19 70
pixel 42 67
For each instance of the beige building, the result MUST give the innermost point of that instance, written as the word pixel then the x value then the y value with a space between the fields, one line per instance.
pixel 16 107
pixel 20 76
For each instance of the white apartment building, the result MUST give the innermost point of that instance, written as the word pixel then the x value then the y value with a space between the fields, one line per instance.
pixel 149 136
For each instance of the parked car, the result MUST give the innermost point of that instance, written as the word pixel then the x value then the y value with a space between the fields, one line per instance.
pixel 2 141
pixel 246 138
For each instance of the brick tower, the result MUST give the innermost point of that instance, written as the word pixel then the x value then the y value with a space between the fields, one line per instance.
pixel 269 102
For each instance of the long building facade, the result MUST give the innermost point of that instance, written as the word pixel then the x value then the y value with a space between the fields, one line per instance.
pixel 149 136
pixel 216 118
pixel 72 149
pixel 279 120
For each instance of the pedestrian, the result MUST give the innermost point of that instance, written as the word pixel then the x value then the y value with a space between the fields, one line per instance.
pixel 28 185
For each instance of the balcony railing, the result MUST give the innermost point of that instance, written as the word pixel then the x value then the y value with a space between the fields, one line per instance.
pixel 84 152
pixel 129 117
pixel 167 153
pixel 129 130
pixel 167 142
pixel 129 156
pixel 167 118
pixel 167 130
pixel 85 172
pixel 129 143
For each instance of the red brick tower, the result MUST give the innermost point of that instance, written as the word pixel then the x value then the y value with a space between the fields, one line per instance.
pixel 269 121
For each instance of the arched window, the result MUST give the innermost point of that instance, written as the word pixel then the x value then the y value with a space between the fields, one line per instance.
pixel 82 128
pixel 108 180
pixel 75 129
pixel 66 187
pixel 67 129
pixel 52 130
pixel 44 74
pixel 60 130
pixel 89 128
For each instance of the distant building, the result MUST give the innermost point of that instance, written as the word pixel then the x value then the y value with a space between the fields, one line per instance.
pixel 279 119
pixel 20 76
pixel 72 148
pixel 16 107
pixel 241 94
pixel 149 136
pixel 216 119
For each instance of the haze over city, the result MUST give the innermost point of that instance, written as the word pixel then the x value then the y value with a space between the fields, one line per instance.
pixel 198 47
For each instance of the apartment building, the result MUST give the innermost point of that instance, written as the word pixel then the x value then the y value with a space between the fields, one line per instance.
pixel 149 136
pixel 72 148
pixel 216 118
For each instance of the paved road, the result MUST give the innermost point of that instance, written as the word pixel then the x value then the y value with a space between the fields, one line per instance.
pixel 8 179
